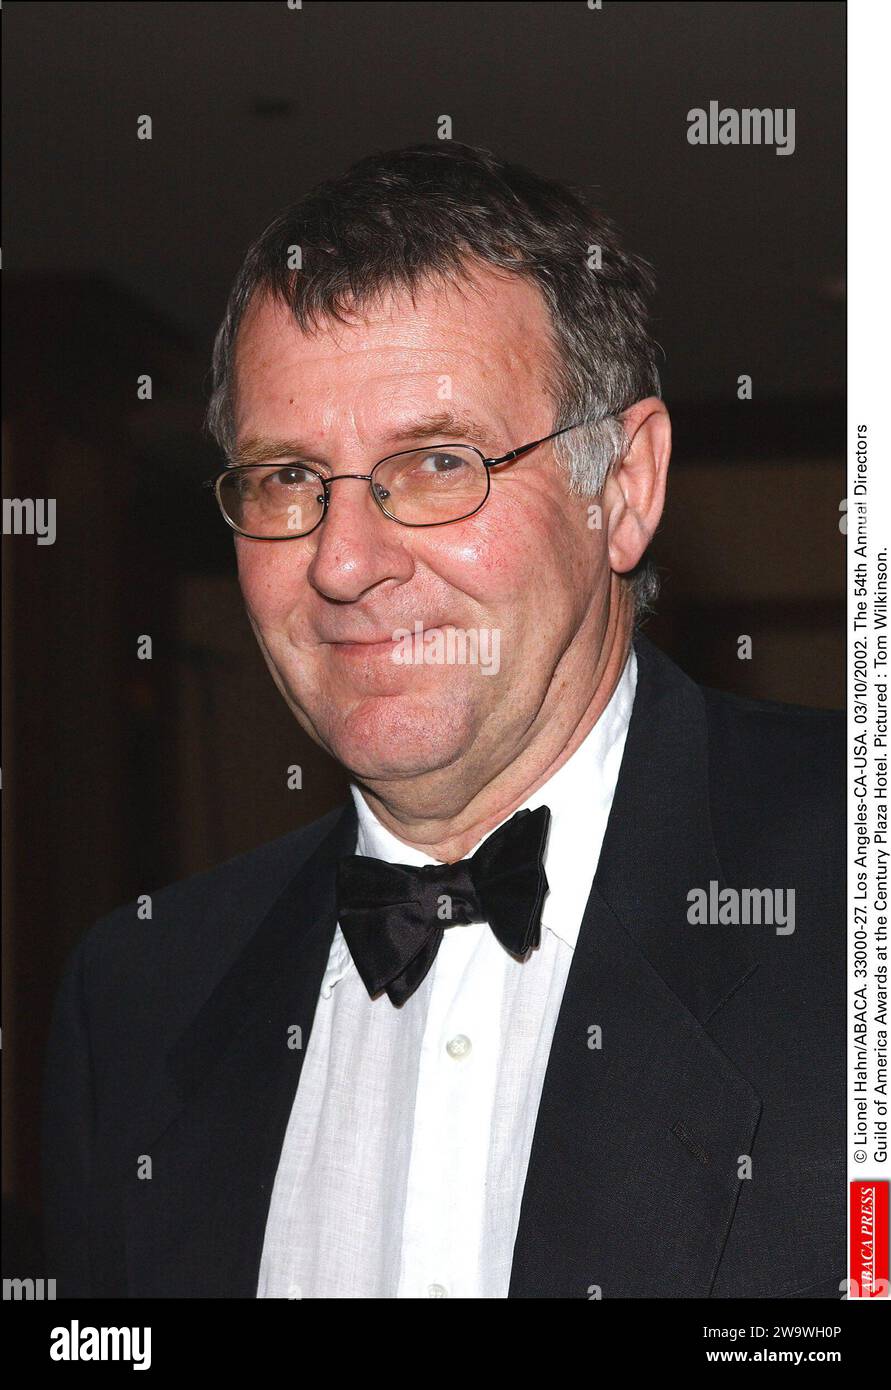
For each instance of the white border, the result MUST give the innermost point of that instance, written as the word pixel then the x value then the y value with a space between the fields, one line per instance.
pixel 869 361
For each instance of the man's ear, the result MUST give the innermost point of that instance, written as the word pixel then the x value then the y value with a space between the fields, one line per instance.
pixel 634 494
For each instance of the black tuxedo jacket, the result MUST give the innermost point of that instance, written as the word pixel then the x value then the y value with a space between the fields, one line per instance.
pixel 169 1041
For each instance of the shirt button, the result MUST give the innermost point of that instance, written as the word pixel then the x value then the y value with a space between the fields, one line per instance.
pixel 438 1291
pixel 458 1047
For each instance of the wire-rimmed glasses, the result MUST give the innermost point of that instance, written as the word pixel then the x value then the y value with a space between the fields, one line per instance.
pixel 432 486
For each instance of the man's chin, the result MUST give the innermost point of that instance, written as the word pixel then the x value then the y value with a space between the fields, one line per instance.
pixel 384 739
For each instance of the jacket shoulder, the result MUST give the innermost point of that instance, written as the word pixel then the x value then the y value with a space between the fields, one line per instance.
pixel 777 776
pixel 758 750
pixel 198 925
pixel 805 746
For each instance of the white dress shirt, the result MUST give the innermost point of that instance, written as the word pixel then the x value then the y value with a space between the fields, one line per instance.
pixel 404 1161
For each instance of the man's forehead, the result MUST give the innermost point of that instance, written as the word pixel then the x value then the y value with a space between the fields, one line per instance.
pixel 504 310
pixel 394 361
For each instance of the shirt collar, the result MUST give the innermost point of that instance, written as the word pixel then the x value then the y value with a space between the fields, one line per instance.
pixel 579 794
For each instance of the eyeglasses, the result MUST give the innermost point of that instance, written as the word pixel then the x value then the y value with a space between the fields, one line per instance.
pixel 432 486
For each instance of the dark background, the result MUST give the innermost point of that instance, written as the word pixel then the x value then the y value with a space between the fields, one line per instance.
pixel 123 774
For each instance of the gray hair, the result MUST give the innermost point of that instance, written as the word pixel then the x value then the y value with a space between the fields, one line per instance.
pixel 400 219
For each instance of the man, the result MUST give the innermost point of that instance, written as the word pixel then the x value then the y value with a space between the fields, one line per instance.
pixel 586 1040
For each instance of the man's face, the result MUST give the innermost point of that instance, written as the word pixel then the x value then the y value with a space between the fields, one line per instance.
pixel 528 566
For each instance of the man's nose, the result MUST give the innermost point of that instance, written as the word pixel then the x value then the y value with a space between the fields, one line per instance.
pixel 356 546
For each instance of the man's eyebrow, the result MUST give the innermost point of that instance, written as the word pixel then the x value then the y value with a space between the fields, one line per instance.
pixel 443 427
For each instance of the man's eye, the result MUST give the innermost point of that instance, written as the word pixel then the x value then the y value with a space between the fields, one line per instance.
pixel 441 463
pixel 288 477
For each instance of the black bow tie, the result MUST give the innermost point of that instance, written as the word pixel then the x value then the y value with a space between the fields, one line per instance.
pixel 393 915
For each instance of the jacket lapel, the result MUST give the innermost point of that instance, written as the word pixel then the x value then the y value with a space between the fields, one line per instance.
pixel 633 1176
pixel 196 1229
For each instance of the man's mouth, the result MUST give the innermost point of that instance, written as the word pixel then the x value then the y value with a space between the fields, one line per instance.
pixel 366 647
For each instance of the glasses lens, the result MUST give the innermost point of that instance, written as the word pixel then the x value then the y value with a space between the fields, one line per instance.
pixel 426 486
pixel 269 502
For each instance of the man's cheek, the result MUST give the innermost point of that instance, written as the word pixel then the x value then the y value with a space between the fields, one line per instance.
pixel 486 566
pixel 269 587
pixel 251 576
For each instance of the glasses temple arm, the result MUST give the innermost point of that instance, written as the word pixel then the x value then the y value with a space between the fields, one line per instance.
pixel 524 448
